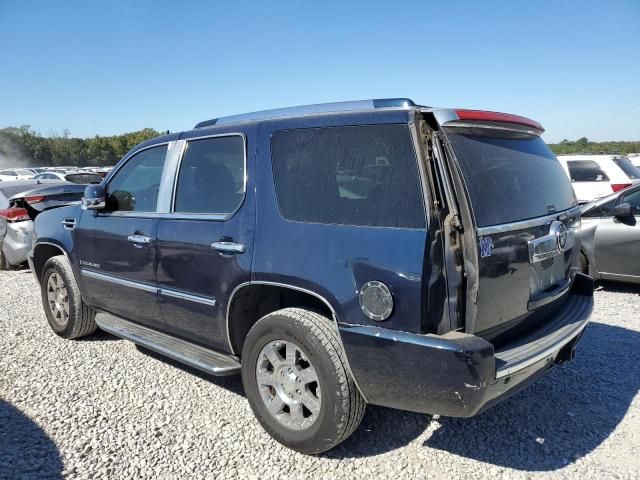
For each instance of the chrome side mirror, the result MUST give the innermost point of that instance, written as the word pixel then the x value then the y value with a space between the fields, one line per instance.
pixel 95 197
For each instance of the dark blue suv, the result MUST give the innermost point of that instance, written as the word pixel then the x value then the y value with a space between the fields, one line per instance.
pixel 336 255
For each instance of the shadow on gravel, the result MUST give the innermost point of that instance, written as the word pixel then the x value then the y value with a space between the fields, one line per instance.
pixel 560 418
pixel 25 450
pixel 618 287
pixel 233 383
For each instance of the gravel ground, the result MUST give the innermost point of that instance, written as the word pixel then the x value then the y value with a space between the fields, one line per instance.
pixel 102 408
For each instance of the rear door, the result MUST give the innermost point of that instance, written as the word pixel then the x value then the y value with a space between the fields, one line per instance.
pixel 617 241
pixel 524 212
pixel 205 244
pixel 117 246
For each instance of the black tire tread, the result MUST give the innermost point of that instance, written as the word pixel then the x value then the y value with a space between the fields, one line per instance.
pixel 84 322
pixel 322 329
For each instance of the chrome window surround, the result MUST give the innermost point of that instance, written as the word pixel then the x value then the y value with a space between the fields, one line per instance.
pixel 168 292
pixel 174 164
pixel 299 289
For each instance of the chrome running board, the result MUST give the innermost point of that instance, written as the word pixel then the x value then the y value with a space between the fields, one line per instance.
pixel 209 361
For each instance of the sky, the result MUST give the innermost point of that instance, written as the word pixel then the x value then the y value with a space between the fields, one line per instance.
pixel 108 67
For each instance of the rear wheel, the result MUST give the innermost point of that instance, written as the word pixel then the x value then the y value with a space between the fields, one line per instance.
pixel 295 377
pixel 67 314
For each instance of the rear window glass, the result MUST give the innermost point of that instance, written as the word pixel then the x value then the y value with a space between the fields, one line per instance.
pixel 627 167
pixel 586 171
pixel 510 178
pixel 357 175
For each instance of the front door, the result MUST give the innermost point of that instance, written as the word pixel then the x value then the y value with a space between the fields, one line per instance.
pixel 617 241
pixel 205 243
pixel 117 246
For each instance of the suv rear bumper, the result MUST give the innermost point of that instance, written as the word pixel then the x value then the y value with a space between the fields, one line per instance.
pixel 457 374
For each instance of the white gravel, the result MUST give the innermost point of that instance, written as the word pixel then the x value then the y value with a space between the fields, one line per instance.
pixel 102 408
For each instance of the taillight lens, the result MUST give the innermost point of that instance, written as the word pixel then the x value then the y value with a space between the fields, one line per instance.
pixel 14 214
pixel 619 186
pixel 34 199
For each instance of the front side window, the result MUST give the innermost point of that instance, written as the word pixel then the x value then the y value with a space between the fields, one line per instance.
pixel 586 171
pixel 356 175
pixel 602 210
pixel 135 186
pixel 9 173
pixel 633 199
pixel 211 176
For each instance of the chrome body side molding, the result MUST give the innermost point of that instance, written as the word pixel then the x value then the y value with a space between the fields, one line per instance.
pixel 169 292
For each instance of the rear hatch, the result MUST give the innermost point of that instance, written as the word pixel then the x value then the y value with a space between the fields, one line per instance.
pixel 525 215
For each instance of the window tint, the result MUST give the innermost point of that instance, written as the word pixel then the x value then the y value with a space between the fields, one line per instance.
pixel 211 177
pixel 510 178
pixel 134 188
pixel 633 199
pixel 361 175
pixel 586 171
pixel 627 167
pixel 10 173
pixel 93 178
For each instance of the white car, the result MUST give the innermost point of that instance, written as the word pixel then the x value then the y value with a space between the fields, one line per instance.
pixel 15 174
pixel 596 176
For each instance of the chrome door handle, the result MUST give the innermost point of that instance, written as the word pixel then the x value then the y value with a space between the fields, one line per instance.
pixel 228 247
pixel 139 240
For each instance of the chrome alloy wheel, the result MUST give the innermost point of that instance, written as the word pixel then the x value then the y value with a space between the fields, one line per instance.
pixel 288 384
pixel 58 299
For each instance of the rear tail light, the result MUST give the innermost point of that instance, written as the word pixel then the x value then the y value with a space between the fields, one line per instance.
pixel 619 186
pixel 14 214
pixel 34 199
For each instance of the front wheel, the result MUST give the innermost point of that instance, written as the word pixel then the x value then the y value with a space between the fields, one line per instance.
pixel 67 314
pixel 295 377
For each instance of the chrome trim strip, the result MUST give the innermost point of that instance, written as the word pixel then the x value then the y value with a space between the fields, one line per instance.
pixel 68 223
pixel 119 281
pixel 299 289
pixel 176 175
pixel 522 224
pixel 166 182
pixel 543 353
pixel 169 292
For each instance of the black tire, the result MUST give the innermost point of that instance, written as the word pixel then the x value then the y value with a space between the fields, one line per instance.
pixel 80 321
pixel 341 405
pixel 584 264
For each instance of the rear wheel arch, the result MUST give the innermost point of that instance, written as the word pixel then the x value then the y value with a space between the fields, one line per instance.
pixel 251 301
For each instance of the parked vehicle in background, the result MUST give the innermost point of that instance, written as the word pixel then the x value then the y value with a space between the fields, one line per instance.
pixel 610 234
pixel 635 159
pixel 21 202
pixel 77 176
pixel 15 174
pixel 597 176
pixel 334 255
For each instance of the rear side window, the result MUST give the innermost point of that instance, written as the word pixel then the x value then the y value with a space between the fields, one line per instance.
pixel 510 178
pixel 83 178
pixel 627 167
pixel 586 171
pixel 211 177
pixel 357 175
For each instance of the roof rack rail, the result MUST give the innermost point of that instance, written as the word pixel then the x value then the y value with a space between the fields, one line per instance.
pixel 310 109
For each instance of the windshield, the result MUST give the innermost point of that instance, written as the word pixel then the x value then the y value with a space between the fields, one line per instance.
pixel 627 167
pixel 510 178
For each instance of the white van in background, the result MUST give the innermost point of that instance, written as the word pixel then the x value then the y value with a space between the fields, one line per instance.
pixel 595 176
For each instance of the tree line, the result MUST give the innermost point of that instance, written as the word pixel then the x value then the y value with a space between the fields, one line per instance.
pixel 22 146
pixel 583 145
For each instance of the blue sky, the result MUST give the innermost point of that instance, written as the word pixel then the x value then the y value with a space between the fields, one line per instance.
pixel 106 67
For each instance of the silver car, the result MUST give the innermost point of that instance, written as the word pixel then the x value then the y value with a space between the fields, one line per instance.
pixel 610 235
